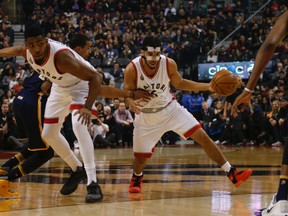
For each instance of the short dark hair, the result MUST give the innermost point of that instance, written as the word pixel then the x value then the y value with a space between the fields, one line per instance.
pixel 152 41
pixel 33 31
pixel 78 40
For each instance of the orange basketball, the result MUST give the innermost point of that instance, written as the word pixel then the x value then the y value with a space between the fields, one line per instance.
pixel 224 82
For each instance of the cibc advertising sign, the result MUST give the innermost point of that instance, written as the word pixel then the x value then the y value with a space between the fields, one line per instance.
pixel 243 69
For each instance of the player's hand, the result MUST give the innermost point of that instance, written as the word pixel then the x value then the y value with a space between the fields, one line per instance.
pixel 210 87
pixel 45 87
pixel 241 102
pixel 140 93
pixel 136 105
pixel 84 115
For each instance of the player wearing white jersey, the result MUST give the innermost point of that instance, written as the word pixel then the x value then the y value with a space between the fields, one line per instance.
pixel 154 73
pixel 70 74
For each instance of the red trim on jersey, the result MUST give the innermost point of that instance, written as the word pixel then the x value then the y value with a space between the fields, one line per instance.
pixel 80 106
pixel 145 155
pixel 145 73
pixel 192 130
pixel 57 53
pixel 136 73
pixel 51 120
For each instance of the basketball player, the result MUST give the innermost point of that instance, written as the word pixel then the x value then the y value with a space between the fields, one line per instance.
pixel 26 107
pixel 69 73
pixel 279 203
pixel 154 73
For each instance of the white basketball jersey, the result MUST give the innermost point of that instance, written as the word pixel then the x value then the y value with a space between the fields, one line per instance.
pixel 48 69
pixel 158 85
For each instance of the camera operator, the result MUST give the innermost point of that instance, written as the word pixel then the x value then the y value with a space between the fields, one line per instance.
pixel 98 130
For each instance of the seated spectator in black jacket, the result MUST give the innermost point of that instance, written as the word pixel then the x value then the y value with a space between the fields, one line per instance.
pixel 98 131
pixel 207 116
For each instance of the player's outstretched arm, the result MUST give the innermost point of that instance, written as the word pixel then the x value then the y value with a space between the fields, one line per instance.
pixel 184 84
pixel 111 92
pixel 13 51
pixel 265 53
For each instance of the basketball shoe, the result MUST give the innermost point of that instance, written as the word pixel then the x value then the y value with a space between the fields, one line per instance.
pixel 275 208
pixel 8 204
pixel 94 193
pixel 135 184
pixel 72 183
pixel 5 190
pixel 4 171
pixel 238 177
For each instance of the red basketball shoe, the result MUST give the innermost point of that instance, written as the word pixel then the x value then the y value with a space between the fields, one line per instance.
pixel 238 177
pixel 135 184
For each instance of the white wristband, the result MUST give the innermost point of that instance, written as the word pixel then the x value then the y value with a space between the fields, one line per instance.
pixel 248 90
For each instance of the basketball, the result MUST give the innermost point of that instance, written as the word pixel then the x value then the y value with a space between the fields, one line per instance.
pixel 224 83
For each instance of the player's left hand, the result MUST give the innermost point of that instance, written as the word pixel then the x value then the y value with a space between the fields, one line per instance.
pixel 84 115
pixel 243 100
pixel 134 106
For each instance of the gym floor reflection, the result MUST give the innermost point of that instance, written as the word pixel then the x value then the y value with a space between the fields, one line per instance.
pixel 178 180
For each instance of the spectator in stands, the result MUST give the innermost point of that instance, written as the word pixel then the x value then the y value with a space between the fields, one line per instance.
pixel 10 95
pixel 117 73
pixel 109 120
pixel 8 74
pixel 236 55
pixel 110 55
pixel 126 52
pixel 100 108
pixel 13 81
pixel 21 73
pixel 280 80
pixel 124 125
pixel 115 105
pixel 207 116
pixel 186 100
pixel 265 105
pixel 274 130
pixel 170 12
pixel 195 106
pixel 5 120
pixel 213 56
pixel 98 131
pixel 223 55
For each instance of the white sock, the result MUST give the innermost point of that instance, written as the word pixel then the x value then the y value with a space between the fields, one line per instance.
pixel 90 171
pixel 226 167
pixel 138 174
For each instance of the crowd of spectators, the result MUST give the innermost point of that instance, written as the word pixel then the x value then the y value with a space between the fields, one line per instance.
pixel 188 31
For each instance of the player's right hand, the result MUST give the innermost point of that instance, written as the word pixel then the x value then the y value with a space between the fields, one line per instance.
pixel 85 116
pixel 45 87
pixel 241 102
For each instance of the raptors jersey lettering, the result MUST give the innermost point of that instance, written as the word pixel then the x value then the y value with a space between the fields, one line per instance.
pixel 48 69
pixel 158 85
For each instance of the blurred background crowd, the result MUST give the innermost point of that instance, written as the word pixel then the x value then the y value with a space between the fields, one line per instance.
pixel 191 32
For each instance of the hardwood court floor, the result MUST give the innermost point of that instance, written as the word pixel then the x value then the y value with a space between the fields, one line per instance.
pixel 179 180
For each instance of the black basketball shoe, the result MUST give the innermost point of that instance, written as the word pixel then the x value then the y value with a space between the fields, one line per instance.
pixel 94 193
pixel 72 183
